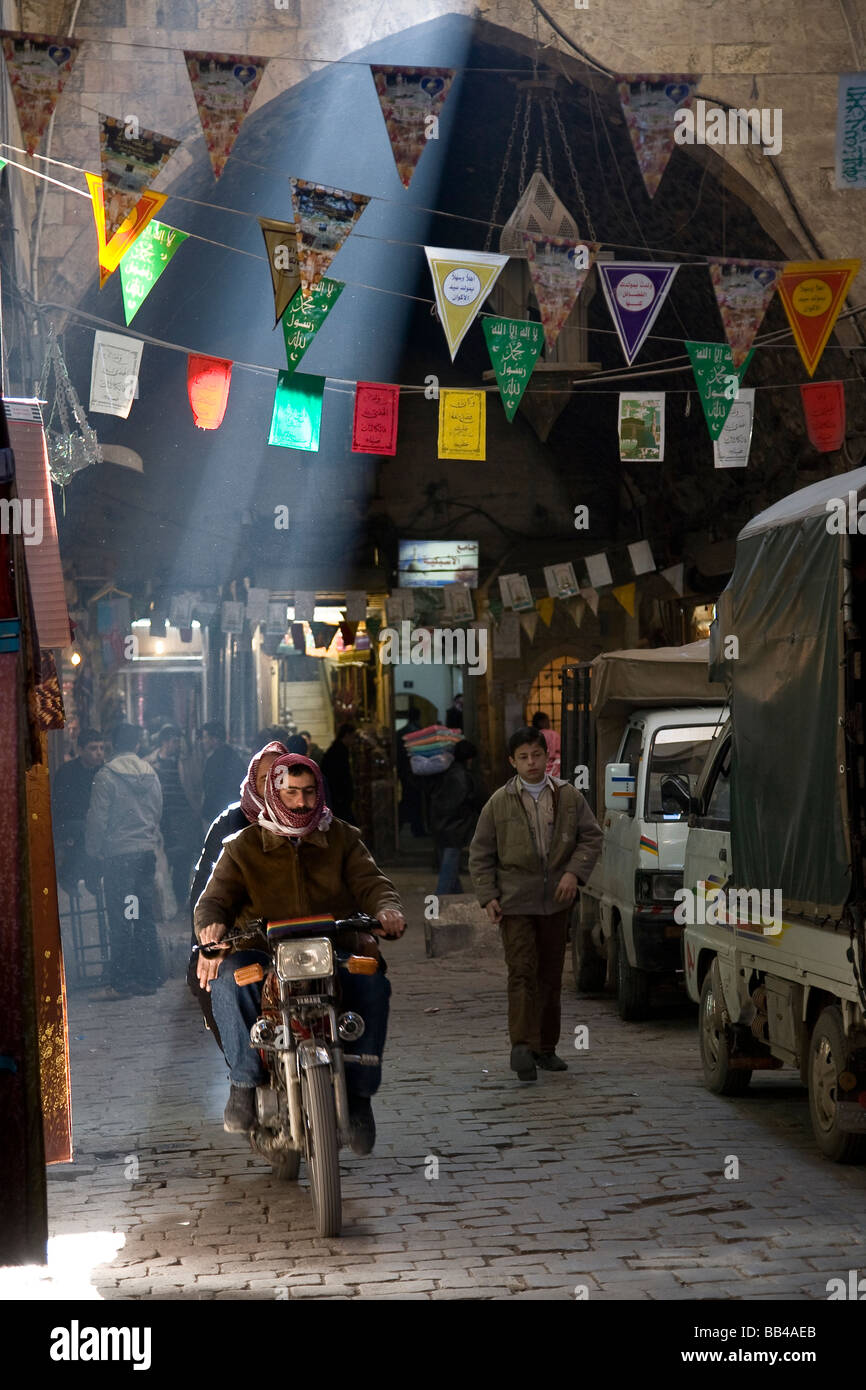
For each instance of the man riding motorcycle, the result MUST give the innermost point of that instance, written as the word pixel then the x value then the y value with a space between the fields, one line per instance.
pixel 297 860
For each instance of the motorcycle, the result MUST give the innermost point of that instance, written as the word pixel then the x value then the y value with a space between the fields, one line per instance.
pixel 302 1110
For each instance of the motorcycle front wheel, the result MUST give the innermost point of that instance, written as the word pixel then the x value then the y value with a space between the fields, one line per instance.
pixel 323 1152
pixel 287 1167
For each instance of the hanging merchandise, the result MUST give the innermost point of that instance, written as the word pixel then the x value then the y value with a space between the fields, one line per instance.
pixel 641 556
pixel 74 445
pixel 557 268
pixel 38 67
pixel 824 409
pixel 635 292
pixel 275 621
pixel 305 316
pixel 462 280
pixel 718 381
pixel 516 592
pixel 114 373
pixel 743 293
pixel 281 244
pixel 544 607
pixel 207 381
pixel 131 159
pixel 561 580
pixel 652 106
pixel 731 449
pixel 599 572
pixel 257 606
pixel 642 425
pixel 144 262
pixel 411 100
pixel 374 421
pixel 674 575
pixel 462 424
pixel 180 609
pixel 513 345
pixel 506 638
pixel 591 597
pixel 625 594
pixel 223 85
pixel 324 217
pixel 813 293
pixel 297 415
pixel 232 620
pixel 111 251
pixel 851 131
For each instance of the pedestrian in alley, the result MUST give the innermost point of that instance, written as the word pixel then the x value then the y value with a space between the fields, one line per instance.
pixel 535 842
pixel 313 749
pixel 224 771
pixel 122 834
pixel 552 741
pixel 70 801
pixel 453 814
pixel 337 768
pixel 177 814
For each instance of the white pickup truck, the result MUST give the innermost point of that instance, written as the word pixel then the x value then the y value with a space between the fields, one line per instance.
pixel 642 723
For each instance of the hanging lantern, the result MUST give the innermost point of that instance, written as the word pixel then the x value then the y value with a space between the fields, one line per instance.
pixel 208 380
pixel 73 445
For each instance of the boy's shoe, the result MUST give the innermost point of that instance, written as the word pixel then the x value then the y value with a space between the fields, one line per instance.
pixel 362 1134
pixel 240 1113
pixel 548 1061
pixel 523 1062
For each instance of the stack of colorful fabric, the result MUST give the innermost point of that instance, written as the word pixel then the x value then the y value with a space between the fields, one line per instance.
pixel 431 750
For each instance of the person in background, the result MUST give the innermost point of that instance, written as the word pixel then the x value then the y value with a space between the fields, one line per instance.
pixel 296 743
pixel 552 742
pixel 535 842
pixel 313 749
pixel 453 813
pixel 411 806
pixel 224 770
pixel 122 833
pixel 176 809
pixel 454 714
pixel 337 768
pixel 70 800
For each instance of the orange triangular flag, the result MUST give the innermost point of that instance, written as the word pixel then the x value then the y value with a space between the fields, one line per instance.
pixel 625 594
pixel 813 293
pixel 112 252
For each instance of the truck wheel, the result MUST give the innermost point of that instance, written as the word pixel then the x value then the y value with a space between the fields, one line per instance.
pixel 588 967
pixel 827 1052
pixel 719 1076
pixel 632 986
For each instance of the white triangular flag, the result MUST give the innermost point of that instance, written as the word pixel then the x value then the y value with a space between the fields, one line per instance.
pixel 591 598
pixel 576 609
pixel 674 576
pixel 529 622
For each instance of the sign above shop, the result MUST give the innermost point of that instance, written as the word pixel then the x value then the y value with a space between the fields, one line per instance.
pixel 425 564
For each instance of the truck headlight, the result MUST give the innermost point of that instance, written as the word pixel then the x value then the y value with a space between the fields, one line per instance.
pixel 307 959
pixel 656 888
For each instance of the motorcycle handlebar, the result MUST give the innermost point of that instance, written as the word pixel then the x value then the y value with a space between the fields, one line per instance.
pixel 360 922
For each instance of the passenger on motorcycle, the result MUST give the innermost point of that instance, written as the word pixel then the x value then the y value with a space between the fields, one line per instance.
pixel 297 860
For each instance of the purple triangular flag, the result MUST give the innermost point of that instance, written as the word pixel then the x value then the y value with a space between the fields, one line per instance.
pixel 635 292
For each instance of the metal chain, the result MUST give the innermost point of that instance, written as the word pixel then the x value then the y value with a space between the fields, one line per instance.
pixel 524 149
pixel 586 213
pixel 494 212
pixel 548 151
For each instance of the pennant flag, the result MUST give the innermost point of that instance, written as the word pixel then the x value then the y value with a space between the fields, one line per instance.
pixel 813 293
pixel 642 425
pixel 305 317
pixel 458 603
pixel 223 85
pixel 297 415
pixel 144 262
pixel 462 280
pixel 718 381
pixel 529 622
pixel 674 575
pixel 374 423
pixel 824 409
pixel 516 592
pixel 599 572
pixel 591 597
pixel 324 217
pixel 462 424
pixel 356 605
pixel 514 345
pixel 110 253
pixel 298 636
pixel 624 594
pixel 207 382
pixel 851 131
pixel 545 607
pixel 130 159
pixel 114 373
pixel 561 580
pixel 38 67
pixel 557 268
pixel 635 292
pixel 576 608
pixel 743 292
pixel 281 243
pixel 641 556
pixel 731 449
pixel 304 606
pixel 650 105
pixel 411 100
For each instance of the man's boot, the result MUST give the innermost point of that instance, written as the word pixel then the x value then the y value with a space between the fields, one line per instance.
pixel 240 1113
pixel 362 1134
pixel 523 1062
pixel 548 1061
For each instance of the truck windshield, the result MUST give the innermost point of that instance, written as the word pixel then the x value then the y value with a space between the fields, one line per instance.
pixel 679 753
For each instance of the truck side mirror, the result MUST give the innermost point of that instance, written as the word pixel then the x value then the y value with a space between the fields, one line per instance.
pixel 619 787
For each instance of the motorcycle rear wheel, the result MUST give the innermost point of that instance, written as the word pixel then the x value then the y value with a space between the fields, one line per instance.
pixel 323 1153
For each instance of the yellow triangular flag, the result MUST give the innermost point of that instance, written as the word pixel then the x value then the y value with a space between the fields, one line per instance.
pixel 111 252
pixel 625 594
pixel 462 280
pixel 545 608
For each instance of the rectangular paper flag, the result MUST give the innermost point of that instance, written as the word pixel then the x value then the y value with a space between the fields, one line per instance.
pixel 297 416
pixel 305 606
pixel 560 580
pixel 731 449
pixel 641 556
pixel 374 425
pixel 516 592
pixel 642 425
pixel 114 373
pixel 598 570
pixel 462 424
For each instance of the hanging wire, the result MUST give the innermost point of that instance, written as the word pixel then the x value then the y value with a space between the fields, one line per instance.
pixel 494 212
pixel 572 167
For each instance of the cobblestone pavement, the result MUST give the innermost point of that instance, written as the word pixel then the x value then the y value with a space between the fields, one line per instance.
pixel 604 1182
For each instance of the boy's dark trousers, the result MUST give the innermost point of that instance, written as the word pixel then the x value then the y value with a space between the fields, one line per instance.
pixel 535 954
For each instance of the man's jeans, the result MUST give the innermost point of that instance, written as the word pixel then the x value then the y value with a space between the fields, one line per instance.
pixel 128 881
pixel 236 1008
pixel 449 872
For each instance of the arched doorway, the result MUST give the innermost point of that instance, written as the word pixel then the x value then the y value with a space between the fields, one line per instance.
pixel 545 693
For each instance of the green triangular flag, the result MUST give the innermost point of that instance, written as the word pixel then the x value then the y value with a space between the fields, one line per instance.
pixel 144 262
pixel 305 316
pixel 718 381
pixel 514 345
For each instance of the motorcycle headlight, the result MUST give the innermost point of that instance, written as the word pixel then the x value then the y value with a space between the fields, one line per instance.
pixel 303 960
